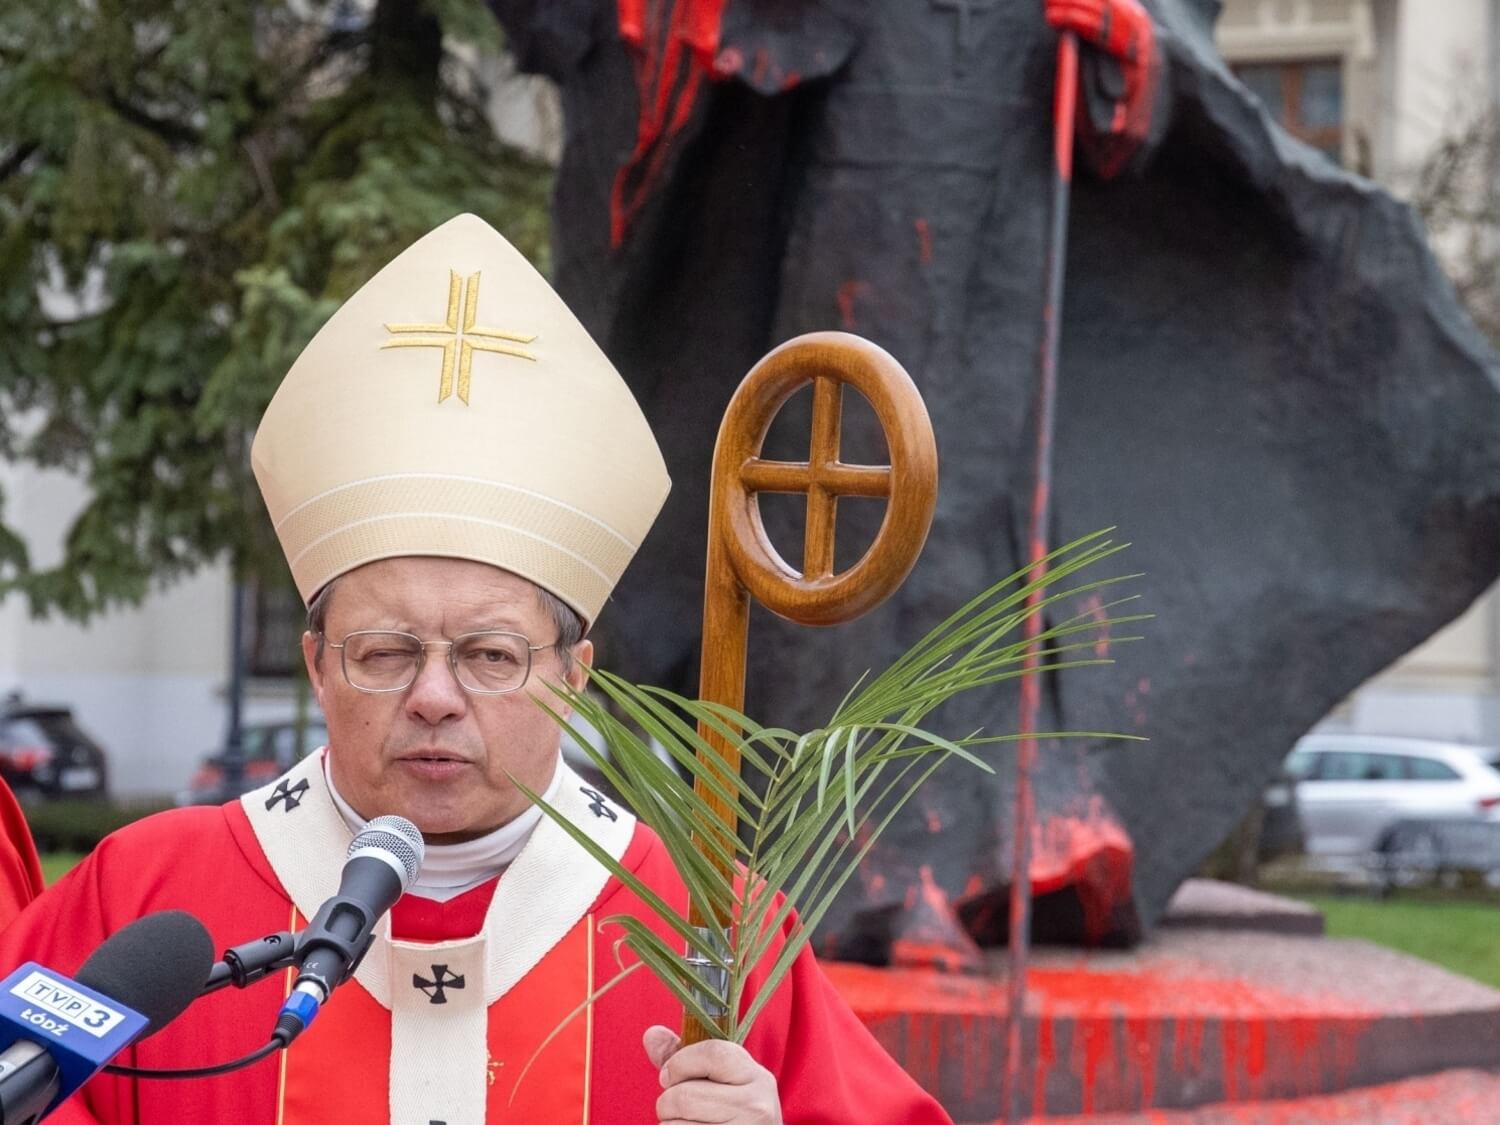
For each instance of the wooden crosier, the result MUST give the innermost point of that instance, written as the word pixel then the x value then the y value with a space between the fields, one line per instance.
pixel 743 563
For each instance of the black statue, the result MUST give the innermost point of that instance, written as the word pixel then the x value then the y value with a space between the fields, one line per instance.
pixel 1266 384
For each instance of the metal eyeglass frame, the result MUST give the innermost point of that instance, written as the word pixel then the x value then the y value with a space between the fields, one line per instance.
pixel 422 658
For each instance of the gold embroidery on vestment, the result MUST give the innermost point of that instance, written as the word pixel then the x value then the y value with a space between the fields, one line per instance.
pixel 464 338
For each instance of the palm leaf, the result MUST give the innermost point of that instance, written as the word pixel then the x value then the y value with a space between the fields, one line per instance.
pixel 827 794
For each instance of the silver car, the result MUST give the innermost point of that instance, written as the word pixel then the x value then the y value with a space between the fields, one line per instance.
pixel 1351 788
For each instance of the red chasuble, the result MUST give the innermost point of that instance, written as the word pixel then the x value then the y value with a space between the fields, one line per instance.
pixel 418 1036
pixel 20 869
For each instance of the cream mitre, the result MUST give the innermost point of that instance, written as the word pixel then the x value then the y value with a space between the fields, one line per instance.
pixel 454 406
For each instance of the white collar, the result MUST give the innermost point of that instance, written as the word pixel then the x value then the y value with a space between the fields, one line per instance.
pixel 448 870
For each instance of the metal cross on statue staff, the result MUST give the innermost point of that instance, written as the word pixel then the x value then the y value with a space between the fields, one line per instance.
pixel 742 561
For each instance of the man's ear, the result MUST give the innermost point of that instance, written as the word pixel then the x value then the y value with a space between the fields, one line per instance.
pixel 314 671
pixel 583 660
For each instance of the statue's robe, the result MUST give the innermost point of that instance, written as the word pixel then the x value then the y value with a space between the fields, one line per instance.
pixel 452 1003
pixel 1265 384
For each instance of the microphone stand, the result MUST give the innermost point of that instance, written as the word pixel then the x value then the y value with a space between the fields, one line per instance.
pixel 251 961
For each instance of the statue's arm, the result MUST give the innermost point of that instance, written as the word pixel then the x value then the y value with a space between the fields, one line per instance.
pixel 1124 97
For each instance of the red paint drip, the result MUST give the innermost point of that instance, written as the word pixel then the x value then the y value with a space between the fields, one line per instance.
pixel 1046 1055
pixel 1093 608
pixel 763 65
pixel 924 241
pixel 675 43
pixel 848 292
pixel 1098 1051
pixel 1142 1050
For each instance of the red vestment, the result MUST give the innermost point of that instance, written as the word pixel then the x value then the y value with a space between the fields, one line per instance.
pixel 209 861
pixel 20 869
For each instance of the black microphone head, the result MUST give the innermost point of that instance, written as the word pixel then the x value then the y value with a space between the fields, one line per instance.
pixel 157 965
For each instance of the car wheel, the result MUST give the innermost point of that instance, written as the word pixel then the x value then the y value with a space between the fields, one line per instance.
pixel 1414 860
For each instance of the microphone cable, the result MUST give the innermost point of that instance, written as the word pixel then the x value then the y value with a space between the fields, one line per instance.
pixel 254 1056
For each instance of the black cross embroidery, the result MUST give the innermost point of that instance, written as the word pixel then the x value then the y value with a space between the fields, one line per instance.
pixel 966 10
pixel 292 795
pixel 441 979
pixel 597 805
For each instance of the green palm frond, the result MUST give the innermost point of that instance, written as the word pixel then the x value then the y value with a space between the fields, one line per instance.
pixel 827 794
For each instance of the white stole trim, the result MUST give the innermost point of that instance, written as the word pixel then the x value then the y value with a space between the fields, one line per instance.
pixel 441 1047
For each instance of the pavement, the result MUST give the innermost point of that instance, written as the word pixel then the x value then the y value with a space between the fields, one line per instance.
pixel 1233 1018
pixel 1451 1097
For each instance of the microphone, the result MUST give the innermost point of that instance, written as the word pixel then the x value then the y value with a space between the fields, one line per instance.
pixel 59 1032
pixel 383 861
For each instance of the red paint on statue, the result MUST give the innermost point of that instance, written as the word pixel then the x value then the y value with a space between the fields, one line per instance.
pixel 1093 608
pixel 674 44
pixel 1090 853
pixel 847 294
pixel 763 65
pixel 930 935
pixel 924 241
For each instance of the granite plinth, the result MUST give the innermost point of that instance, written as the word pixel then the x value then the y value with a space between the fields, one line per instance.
pixel 1192 1018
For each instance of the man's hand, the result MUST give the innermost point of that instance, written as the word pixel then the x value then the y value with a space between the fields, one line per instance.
pixel 711 1083
pixel 1121 28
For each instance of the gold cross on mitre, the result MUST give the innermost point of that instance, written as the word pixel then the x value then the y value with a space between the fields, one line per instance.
pixel 452 337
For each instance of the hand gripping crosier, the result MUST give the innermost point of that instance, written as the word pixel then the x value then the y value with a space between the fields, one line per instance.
pixel 752 854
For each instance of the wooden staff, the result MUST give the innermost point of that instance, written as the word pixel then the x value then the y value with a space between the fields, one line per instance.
pixel 742 562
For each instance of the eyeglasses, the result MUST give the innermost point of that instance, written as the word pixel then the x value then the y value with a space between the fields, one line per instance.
pixel 488 663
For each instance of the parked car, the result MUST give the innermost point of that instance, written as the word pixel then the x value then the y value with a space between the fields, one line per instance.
pixel 44 753
pixel 1353 789
pixel 270 749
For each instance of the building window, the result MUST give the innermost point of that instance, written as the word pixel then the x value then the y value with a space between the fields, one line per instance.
pixel 1306 99
pixel 275 622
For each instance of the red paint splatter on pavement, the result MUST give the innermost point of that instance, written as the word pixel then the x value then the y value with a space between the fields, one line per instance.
pixel 1111 1026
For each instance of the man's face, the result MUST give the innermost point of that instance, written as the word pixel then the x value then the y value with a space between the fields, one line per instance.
pixel 434 753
